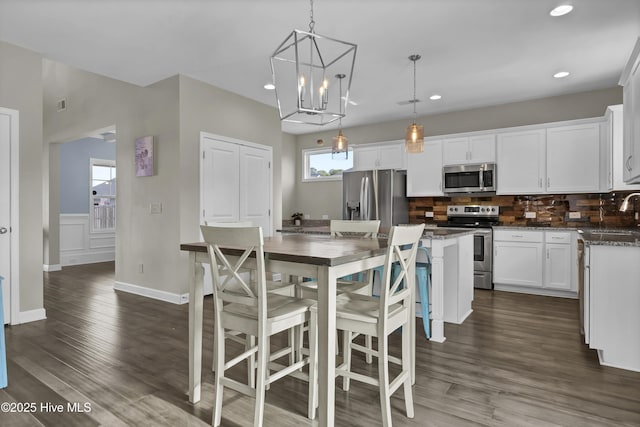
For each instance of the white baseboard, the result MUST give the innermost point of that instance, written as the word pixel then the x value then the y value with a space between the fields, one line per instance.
pixel 51 267
pixel 31 316
pixel 152 293
pixel 87 258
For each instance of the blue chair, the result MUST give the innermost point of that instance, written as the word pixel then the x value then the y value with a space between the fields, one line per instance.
pixel 423 279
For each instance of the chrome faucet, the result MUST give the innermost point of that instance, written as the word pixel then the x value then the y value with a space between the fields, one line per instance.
pixel 625 203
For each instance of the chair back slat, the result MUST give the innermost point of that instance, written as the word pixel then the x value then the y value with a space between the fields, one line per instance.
pixel 229 286
pixel 402 248
pixel 364 228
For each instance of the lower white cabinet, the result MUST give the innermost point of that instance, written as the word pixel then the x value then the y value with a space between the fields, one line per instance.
pixel 612 298
pixel 533 261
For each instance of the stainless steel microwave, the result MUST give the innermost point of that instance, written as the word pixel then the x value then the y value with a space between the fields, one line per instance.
pixel 478 178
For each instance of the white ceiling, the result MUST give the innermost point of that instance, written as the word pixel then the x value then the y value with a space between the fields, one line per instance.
pixel 474 52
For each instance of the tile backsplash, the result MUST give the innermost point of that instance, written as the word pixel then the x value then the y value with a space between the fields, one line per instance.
pixel 595 210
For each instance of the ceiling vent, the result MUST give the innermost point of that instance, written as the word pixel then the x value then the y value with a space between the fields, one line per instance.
pixel 409 102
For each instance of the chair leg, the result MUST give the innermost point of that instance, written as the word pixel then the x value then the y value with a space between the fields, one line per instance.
pixel 369 344
pixel 383 377
pixel 346 350
pixel 250 342
pixel 313 366
pixel 406 368
pixel 218 375
pixel 263 368
pixel 423 289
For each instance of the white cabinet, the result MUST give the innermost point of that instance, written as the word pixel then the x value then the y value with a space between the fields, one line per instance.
pixel 573 159
pixel 613 131
pixel 612 295
pixel 380 156
pixel 469 150
pixel 424 171
pixel 521 162
pixel 539 262
pixel 630 79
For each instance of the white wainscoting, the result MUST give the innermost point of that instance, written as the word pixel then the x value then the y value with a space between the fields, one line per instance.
pixel 79 246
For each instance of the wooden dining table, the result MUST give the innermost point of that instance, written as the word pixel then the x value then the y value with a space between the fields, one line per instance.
pixel 320 257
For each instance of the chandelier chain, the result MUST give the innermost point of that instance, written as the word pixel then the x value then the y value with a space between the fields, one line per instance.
pixel 312 23
pixel 414 88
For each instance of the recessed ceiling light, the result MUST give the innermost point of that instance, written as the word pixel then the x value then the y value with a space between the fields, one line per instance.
pixel 269 86
pixel 435 97
pixel 561 74
pixel 563 9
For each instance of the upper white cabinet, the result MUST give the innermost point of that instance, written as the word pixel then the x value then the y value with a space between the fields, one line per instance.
pixel 469 150
pixel 630 79
pixel 550 159
pixel 424 171
pixel 521 162
pixel 613 131
pixel 573 159
pixel 380 156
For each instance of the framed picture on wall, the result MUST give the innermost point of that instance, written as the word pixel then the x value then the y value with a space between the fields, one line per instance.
pixel 144 156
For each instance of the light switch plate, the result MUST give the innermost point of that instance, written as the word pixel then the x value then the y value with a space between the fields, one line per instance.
pixel 428 214
pixel 529 214
pixel 325 216
pixel 574 215
pixel 155 208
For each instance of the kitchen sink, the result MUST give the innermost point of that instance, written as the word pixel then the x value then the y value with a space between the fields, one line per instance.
pixel 613 232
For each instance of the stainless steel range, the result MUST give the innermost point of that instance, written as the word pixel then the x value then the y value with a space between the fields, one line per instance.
pixel 481 218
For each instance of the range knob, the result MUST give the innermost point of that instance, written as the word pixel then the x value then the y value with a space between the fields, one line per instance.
pixel 481 209
pixel 493 209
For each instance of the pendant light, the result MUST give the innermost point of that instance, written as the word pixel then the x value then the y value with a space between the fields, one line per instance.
pixel 301 68
pixel 340 147
pixel 414 137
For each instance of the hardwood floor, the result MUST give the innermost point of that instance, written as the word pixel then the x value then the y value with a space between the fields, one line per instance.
pixel 517 361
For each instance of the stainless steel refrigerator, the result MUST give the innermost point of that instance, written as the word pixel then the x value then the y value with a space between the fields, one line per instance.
pixel 375 194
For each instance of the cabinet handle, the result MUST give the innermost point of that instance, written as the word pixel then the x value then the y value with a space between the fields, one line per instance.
pixel 540 182
pixel 628 163
pixel 547 253
pixel 548 182
pixel 517 236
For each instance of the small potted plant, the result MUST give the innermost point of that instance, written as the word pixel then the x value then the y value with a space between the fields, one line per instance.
pixel 297 216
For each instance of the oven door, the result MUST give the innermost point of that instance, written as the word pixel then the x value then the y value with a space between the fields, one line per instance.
pixel 462 178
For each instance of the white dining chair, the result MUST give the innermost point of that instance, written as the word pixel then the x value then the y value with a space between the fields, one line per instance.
pixel 380 317
pixel 243 305
pixel 363 284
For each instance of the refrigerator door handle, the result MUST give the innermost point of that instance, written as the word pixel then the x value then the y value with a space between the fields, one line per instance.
pixel 364 199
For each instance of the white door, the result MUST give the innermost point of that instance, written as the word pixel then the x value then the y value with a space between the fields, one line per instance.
pixel 7 120
pixel 424 171
pixel 236 182
pixel 219 174
pixel 521 162
pixel 255 187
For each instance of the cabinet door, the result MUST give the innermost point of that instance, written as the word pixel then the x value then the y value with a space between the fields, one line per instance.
pixel 627 171
pixel 558 266
pixel 424 171
pixel 365 158
pixel 517 263
pixel 573 159
pixel 455 151
pixel 482 149
pixel 635 122
pixel 521 162
pixel 615 140
pixel 392 157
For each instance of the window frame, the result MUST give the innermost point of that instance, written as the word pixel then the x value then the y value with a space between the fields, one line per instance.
pixel 106 163
pixel 307 152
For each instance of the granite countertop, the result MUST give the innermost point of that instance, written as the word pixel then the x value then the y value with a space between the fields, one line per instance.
pixel 429 232
pixel 611 237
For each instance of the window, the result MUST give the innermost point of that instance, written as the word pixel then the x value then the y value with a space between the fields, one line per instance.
pixel 320 166
pixel 103 195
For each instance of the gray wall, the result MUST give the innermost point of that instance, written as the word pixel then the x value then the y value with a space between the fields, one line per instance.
pixel 321 198
pixel 174 111
pixel 74 172
pixel 21 89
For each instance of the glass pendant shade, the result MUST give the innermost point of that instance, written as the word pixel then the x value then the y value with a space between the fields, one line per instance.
pixel 340 147
pixel 414 138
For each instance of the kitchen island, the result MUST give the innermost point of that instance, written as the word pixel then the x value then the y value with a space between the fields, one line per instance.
pixel 612 296
pixel 451 293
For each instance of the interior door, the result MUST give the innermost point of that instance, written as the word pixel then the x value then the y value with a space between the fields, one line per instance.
pixel 255 187
pixel 5 210
pixel 220 185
